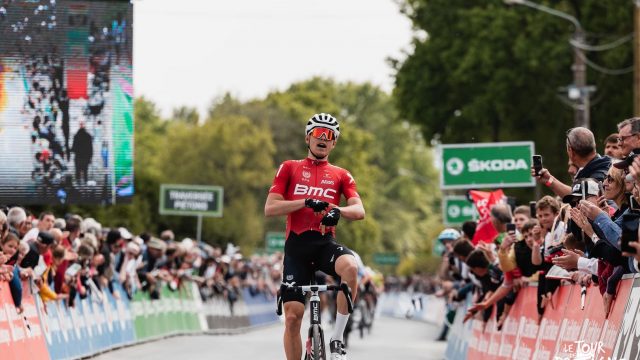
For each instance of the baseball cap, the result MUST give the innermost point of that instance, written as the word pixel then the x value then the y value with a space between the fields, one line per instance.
pixel 627 161
pixel 592 188
pixel 155 243
pixel 45 238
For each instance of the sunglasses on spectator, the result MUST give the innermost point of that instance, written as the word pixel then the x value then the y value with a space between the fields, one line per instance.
pixel 609 178
pixel 624 137
pixel 323 134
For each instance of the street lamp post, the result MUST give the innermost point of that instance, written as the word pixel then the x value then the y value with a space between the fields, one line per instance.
pixel 579 91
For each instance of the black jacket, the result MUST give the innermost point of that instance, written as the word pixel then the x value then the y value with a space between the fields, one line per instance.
pixel 597 169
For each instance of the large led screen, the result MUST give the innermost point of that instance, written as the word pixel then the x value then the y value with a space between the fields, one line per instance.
pixel 66 101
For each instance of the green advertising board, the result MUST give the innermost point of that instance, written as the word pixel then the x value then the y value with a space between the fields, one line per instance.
pixel 457 209
pixel 275 241
pixel 488 165
pixel 386 258
pixel 191 200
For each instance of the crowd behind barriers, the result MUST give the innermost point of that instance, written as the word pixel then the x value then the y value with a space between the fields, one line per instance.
pixel 70 257
pixel 585 232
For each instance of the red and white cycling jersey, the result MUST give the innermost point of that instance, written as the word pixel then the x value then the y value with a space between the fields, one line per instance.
pixel 307 178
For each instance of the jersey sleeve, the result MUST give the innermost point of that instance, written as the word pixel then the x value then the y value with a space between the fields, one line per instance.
pixel 349 188
pixel 281 180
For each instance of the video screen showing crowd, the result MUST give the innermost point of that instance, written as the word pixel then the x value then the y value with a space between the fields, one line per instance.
pixel 66 101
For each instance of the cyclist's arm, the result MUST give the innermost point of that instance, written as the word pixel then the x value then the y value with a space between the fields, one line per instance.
pixel 353 211
pixel 276 205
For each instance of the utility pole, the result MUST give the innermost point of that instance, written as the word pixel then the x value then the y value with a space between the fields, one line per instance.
pixel 579 67
pixel 579 92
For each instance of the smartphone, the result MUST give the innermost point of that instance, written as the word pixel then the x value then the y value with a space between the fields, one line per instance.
pixel 73 270
pixel 511 228
pixel 537 163
pixel 626 238
pixel 532 208
pixel 633 204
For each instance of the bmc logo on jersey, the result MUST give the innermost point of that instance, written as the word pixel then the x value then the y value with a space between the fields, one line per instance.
pixel 301 189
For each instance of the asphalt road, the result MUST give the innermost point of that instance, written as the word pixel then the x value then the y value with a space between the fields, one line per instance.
pixel 389 339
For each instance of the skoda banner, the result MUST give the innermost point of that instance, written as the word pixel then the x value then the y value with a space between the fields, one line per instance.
pixel 457 209
pixel 487 165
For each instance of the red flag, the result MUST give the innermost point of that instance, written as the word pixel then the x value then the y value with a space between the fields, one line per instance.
pixel 484 201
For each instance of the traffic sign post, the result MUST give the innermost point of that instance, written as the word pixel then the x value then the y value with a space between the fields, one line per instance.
pixel 487 165
pixel 191 200
pixel 457 209
pixel 274 242
pixel 386 258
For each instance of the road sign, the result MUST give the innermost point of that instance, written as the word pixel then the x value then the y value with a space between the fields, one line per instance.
pixel 275 242
pixel 386 258
pixel 488 165
pixel 457 209
pixel 191 200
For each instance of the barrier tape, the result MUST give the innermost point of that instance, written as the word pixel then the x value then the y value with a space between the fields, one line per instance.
pixel 102 322
pixel 566 331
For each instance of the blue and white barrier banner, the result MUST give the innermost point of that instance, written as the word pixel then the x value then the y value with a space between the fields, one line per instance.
pixel 417 306
pixel 94 324
pixel 261 308
pixel 459 333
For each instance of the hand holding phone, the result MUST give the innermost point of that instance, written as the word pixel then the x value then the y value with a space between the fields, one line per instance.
pixel 511 228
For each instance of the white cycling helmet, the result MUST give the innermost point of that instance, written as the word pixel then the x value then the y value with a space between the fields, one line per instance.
pixel 448 234
pixel 325 121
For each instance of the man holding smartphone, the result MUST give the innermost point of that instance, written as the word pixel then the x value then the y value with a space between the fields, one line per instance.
pixel 581 149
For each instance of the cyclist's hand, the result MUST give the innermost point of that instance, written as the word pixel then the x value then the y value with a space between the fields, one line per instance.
pixel 316 205
pixel 330 219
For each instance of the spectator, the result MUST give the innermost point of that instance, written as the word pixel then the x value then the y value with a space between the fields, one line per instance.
pixel 521 215
pixel 17 219
pixel 629 135
pixel 581 149
pixel 149 272
pixel 45 223
pixel 612 147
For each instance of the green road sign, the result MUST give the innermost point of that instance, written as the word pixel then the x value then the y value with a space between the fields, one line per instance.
pixel 489 165
pixel 386 258
pixel 457 209
pixel 191 200
pixel 275 241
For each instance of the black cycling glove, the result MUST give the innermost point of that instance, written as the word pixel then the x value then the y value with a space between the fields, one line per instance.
pixel 331 218
pixel 316 205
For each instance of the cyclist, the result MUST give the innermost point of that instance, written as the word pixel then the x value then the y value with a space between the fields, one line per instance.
pixel 308 191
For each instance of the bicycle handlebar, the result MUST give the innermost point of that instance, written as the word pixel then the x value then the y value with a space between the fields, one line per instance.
pixel 315 288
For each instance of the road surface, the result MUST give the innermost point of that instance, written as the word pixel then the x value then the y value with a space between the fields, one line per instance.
pixel 390 339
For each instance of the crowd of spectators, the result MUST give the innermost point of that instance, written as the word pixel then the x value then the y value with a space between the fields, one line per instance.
pixel 70 257
pixel 584 232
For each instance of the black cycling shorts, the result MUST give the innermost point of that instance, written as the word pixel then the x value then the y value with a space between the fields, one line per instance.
pixel 303 253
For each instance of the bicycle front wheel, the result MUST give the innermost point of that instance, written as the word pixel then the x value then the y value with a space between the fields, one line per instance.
pixel 317 340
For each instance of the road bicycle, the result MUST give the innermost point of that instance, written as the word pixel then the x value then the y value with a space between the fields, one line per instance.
pixel 315 345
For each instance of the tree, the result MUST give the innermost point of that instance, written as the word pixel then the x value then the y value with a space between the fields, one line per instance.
pixel 484 71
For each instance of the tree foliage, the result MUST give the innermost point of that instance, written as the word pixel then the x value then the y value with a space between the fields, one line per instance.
pixel 484 71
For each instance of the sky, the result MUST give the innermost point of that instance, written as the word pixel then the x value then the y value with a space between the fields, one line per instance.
pixel 188 52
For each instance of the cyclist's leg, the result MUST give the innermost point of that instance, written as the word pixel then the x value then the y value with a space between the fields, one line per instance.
pixel 337 260
pixel 294 311
pixel 295 272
